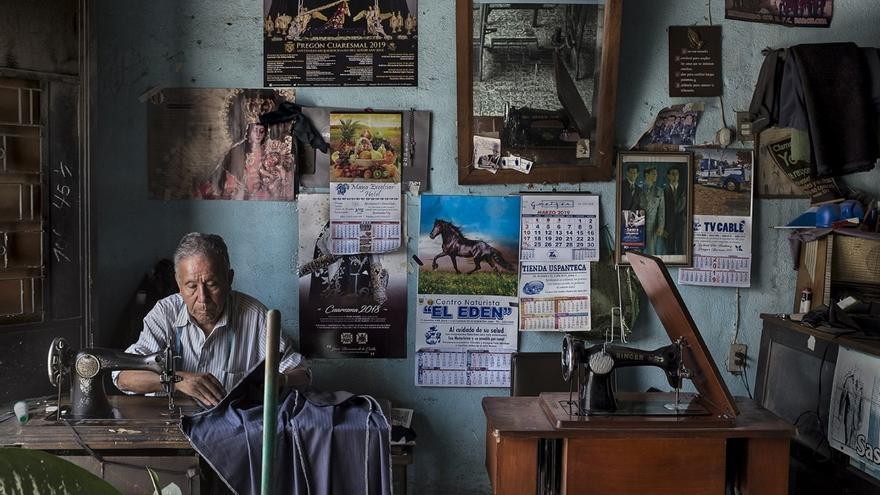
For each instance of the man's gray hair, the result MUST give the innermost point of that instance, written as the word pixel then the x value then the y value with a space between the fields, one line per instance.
pixel 209 245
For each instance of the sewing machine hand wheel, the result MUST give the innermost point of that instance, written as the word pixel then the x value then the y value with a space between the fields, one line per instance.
pixel 58 361
pixel 569 358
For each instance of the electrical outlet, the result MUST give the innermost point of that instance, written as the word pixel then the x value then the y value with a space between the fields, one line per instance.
pixel 736 358
pixel 744 127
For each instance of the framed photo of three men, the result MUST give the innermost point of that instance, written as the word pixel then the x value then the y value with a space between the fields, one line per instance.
pixel 655 206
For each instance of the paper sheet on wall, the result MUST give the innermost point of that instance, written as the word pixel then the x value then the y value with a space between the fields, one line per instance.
pixel 350 305
pixel 340 43
pixel 722 252
pixel 467 314
pixel 854 414
pixel 465 341
pixel 554 297
pixel 723 196
pixel 365 217
pixel 559 227
pixel 558 238
pixel 365 182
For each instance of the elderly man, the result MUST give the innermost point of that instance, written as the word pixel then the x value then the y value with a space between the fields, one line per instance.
pixel 218 333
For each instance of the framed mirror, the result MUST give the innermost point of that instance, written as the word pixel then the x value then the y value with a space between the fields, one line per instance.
pixel 538 81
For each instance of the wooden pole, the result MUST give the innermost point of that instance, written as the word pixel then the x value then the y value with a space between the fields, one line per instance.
pixel 270 399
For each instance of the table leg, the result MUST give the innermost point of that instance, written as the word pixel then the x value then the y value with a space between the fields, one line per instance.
pixel 512 463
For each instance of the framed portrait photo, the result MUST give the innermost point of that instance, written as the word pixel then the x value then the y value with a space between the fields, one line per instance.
pixel 655 197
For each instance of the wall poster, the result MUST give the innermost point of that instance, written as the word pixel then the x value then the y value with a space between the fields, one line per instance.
pixel 340 43
pixel 349 306
pixel 365 182
pixel 722 218
pixel 695 61
pixel 673 128
pixel 466 319
pixel 781 165
pixel 209 144
pixel 559 237
pixel 800 13
pixel 854 418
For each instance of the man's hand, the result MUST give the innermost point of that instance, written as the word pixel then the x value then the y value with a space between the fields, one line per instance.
pixel 203 387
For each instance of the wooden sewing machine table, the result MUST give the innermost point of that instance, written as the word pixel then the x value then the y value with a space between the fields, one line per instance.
pixel 617 455
pixel 144 436
pixel 727 442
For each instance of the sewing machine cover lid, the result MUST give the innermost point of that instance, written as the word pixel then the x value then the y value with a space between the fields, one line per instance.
pixel 673 313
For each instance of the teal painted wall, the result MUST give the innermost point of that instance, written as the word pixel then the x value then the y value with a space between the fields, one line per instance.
pixel 199 43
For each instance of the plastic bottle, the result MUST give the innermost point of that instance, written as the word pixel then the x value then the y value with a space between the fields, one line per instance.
pixel 21 411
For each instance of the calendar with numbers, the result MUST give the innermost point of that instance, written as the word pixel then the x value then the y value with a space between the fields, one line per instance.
pixel 462 368
pixel 559 237
pixel 559 227
pixel 365 217
pixel 722 252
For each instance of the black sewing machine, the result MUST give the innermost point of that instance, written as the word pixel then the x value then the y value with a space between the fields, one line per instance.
pixel 592 367
pixel 526 127
pixel 88 368
pixel 686 357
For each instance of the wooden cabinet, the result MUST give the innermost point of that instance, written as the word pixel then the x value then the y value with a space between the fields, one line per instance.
pixel 794 380
pixel 606 457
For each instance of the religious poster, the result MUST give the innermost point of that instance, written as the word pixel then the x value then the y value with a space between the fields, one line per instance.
pixel 349 306
pixel 799 13
pixel 722 218
pixel 695 61
pixel 466 319
pixel 365 213
pixel 854 417
pixel 209 144
pixel 340 43
pixel 559 237
pixel 674 128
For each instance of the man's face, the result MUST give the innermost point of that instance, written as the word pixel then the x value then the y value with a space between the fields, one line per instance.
pixel 632 174
pixel 651 176
pixel 204 288
pixel 672 176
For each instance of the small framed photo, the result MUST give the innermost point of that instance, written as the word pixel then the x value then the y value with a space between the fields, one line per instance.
pixel 655 206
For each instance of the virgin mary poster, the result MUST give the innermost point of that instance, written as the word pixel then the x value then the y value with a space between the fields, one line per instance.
pixel 209 144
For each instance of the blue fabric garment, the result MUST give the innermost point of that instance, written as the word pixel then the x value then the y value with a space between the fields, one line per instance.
pixel 327 443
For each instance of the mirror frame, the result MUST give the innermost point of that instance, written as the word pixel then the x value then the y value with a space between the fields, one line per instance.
pixel 606 101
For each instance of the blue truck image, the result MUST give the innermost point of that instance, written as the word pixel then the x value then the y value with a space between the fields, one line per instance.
pixel 720 173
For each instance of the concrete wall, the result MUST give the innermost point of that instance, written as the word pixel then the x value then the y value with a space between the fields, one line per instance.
pixel 218 44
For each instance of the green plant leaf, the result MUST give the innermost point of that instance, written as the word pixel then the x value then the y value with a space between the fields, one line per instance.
pixel 34 472
pixel 154 479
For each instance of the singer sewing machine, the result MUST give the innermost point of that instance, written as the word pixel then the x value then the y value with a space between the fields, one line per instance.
pixel 540 128
pixel 598 440
pixel 88 368
pixel 116 436
pixel 536 128
pixel 592 367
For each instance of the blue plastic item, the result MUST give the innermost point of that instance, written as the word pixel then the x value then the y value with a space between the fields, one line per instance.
pixel 852 209
pixel 827 215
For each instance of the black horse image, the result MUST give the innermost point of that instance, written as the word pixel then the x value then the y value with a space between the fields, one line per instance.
pixel 455 244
